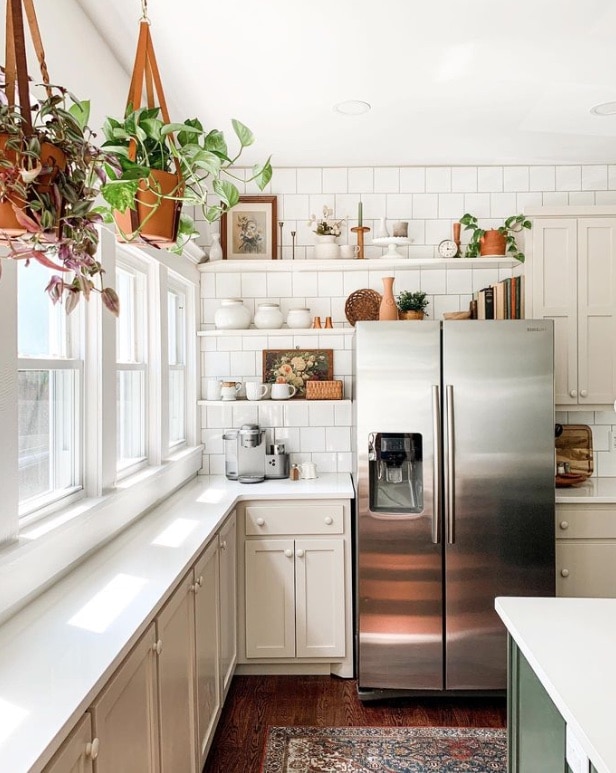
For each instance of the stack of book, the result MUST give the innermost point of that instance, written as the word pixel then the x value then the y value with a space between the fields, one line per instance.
pixel 503 300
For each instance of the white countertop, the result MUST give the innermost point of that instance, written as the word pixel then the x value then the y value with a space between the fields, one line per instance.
pixel 593 491
pixel 570 644
pixel 53 665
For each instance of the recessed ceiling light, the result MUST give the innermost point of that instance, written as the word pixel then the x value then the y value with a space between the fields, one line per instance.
pixel 605 108
pixel 352 107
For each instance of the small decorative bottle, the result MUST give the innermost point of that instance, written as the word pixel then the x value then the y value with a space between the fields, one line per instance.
pixel 294 472
pixel 388 308
pixel 215 248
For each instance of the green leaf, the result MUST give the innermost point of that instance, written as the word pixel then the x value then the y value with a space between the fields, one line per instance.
pixel 152 127
pixel 262 175
pixel 227 192
pixel 215 142
pixel 81 112
pixel 244 135
pixel 213 214
pixel 170 128
pixel 121 194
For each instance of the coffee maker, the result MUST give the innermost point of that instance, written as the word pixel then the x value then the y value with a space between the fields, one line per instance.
pixel 245 454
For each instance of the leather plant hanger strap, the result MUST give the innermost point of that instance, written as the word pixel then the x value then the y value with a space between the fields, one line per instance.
pixel 145 69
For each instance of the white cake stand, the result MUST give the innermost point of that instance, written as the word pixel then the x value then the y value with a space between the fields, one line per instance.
pixel 392 243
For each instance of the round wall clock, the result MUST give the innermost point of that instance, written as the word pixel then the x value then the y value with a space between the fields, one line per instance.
pixel 448 248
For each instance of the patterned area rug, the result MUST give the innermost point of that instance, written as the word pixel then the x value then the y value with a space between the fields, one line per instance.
pixel 385 749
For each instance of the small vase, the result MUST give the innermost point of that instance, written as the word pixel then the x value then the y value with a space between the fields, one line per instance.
pixel 388 308
pixel 232 315
pixel 268 316
pixel 215 248
pixel 325 247
pixel 412 314
pixel 382 232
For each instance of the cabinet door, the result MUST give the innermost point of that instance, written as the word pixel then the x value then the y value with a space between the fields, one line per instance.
pixel 125 714
pixel 554 296
pixel 228 601
pixel 270 598
pixel 175 627
pixel 320 598
pixel 207 650
pixel 77 752
pixel 596 310
pixel 586 569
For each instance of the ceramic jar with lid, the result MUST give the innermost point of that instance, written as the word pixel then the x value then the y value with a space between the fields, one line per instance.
pixel 232 315
pixel 268 316
pixel 299 318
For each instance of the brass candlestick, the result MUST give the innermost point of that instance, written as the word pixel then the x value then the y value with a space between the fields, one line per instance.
pixel 360 230
pixel 280 226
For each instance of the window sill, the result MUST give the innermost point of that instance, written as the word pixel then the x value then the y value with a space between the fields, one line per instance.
pixel 52 546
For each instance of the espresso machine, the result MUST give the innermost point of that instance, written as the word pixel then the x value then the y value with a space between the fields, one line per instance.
pixel 245 453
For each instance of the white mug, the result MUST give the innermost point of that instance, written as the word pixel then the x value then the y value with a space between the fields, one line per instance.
pixel 308 470
pixel 349 250
pixel 255 391
pixel 229 390
pixel 282 391
pixel 212 389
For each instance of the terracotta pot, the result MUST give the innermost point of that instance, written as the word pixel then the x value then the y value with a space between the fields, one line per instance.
pixel 9 225
pixel 161 218
pixel 412 314
pixel 492 243
pixel 388 308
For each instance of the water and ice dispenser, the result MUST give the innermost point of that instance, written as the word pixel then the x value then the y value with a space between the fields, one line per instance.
pixel 395 472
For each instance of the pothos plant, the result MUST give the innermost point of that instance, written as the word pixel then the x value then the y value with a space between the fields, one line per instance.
pixel 203 158
pixel 509 229
pixel 49 180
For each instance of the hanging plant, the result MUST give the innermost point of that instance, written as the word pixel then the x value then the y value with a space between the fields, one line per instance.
pixel 50 174
pixel 156 165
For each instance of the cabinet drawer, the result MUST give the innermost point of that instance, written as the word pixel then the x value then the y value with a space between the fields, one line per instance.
pixel 597 522
pixel 294 519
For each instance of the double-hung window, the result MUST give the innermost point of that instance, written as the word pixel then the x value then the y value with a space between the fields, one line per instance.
pixel 176 332
pixel 50 389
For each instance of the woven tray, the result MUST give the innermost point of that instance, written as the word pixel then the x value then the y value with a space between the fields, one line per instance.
pixel 362 304
pixel 323 390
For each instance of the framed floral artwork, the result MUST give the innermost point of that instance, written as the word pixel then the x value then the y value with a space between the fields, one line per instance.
pixel 297 366
pixel 248 230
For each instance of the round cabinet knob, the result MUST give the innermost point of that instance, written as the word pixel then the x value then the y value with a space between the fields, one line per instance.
pixel 300 553
pixel 260 521
pixel 223 544
pixel 200 581
pixel 92 749
pixel 573 393
pixel 584 393
pixel 564 573
pixel 329 520
pixel 158 647
pixel 288 553
pixel 564 525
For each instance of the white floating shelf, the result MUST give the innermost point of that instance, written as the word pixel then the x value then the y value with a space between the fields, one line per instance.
pixel 367 264
pixel 267 401
pixel 281 331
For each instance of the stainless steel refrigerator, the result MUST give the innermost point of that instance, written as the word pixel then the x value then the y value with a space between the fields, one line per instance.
pixel 455 480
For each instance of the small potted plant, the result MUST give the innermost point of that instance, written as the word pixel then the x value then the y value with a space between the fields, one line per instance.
pixel 412 305
pixel 326 230
pixel 494 241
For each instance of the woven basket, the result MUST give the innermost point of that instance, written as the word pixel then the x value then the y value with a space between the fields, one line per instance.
pixel 362 304
pixel 323 390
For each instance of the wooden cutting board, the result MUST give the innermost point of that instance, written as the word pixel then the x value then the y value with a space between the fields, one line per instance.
pixel 574 446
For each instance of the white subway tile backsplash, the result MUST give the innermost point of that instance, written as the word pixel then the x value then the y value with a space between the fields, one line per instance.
pixel 605 198
pixel 295 207
pixel 581 198
pixel 542 178
pixel 336 180
pixel 374 206
pixel 338 439
pixel 399 207
pixel 355 280
pixel 425 205
pixel 526 200
pixel 438 179
pixel 271 413
pixel 489 179
pixel 343 414
pixel 311 439
pixel 284 181
pixel 296 414
pixel 325 462
pixel 344 462
pixel 459 281
pixel 243 363
pixel 361 180
pixel 516 178
pixel 254 284
pixel 501 206
pixel 309 180
pixel 477 204
pixel 386 179
pixel 330 283
pixel 227 285
pixel 594 178
pixel 279 284
pixel 464 179
pixel 217 464
pixel 320 414
pixel 556 199
pixel 433 281
pixel 568 178
pixel 218 364
pixel 451 205
pixel 412 179
pixel 305 283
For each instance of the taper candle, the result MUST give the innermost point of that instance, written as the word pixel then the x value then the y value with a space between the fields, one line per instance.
pixel 360 213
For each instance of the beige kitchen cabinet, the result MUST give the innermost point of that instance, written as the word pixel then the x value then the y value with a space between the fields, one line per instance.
pixel 78 752
pixel 571 279
pixel 207 648
pixel 295 588
pixel 586 550
pixel 175 626
pixel 228 601
pixel 125 714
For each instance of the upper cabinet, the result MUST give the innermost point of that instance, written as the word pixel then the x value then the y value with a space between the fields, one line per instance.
pixel 571 279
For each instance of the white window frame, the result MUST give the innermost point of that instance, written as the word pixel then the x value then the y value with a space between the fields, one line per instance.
pixel 179 288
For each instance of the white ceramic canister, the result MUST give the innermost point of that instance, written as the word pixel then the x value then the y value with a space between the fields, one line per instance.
pixel 232 315
pixel 299 318
pixel 268 316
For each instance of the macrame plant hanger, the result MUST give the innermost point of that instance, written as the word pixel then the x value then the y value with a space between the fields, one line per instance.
pixel 155 220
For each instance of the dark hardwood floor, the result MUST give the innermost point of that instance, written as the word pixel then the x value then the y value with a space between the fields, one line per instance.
pixel 255 702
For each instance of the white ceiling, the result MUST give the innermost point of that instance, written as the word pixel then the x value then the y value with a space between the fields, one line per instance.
pixel 449 81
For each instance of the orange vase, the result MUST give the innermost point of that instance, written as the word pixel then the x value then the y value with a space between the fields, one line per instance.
pixel 492 243
pixel 388 308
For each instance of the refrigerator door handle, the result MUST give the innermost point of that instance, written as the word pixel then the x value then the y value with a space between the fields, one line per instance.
pixel 436 483
pixel 450 501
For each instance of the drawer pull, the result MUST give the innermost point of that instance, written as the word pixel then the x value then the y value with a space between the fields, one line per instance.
pixel 260 521
pixel 564 573
pixel 288 553
pixel 300 553
pixel 329 520
pixel 564 525
pixel 93 748
pixel 584 393
pixel 573 393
